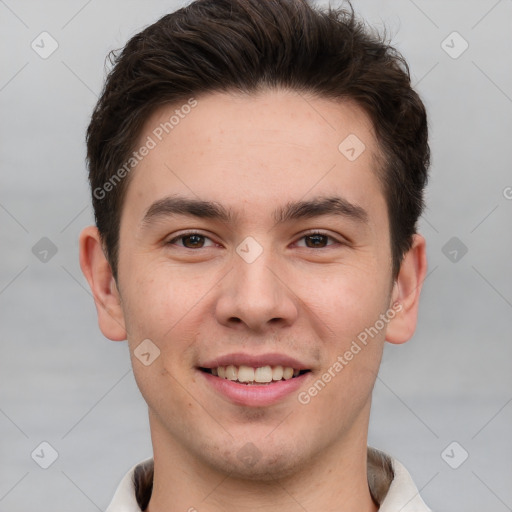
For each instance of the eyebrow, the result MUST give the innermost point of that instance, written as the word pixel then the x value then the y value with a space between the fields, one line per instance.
pixel 316 207
pixel 179 205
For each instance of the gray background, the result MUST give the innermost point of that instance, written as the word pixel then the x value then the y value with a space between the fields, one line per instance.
pixel 63 383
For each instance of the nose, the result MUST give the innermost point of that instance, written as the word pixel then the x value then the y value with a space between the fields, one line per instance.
pixel 256 296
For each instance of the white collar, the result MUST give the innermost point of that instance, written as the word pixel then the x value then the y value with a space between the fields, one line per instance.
pixel 402 494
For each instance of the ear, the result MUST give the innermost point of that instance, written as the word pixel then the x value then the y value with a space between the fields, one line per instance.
pixel 98 273
pixel 406 292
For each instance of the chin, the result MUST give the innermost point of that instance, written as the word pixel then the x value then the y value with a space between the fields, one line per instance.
pixel 257 462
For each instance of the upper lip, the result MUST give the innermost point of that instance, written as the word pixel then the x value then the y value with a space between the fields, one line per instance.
pixel 255 361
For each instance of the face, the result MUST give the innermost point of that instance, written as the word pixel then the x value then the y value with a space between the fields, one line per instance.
pixel 250 238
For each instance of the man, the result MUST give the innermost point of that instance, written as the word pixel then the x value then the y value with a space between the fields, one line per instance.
pixel 257 172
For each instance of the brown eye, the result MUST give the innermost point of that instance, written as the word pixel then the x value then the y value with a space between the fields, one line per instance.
pixel 316 241
pixel 193 241
pixel 190 241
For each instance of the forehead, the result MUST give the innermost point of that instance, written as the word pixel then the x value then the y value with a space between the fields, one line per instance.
pixel 253 150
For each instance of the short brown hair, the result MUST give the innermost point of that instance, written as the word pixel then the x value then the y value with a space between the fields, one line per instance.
pixel 247 46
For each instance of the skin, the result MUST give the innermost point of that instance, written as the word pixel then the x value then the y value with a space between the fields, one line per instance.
pixel 253 154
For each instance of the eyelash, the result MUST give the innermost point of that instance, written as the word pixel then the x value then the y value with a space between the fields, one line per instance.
pixel 306 235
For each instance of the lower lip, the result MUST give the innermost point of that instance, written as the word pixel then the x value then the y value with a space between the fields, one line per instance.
pixel 255 395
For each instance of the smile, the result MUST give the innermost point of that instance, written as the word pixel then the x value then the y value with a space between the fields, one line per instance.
pixel 250 376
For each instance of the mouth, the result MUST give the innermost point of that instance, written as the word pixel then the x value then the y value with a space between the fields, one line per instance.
pixel 250 376
pixel 254 380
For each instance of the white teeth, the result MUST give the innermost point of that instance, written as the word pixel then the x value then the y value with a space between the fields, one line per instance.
pixel 231 372
pixel 287 373
pixel 263 374
pixel 277 373
pixel 245 374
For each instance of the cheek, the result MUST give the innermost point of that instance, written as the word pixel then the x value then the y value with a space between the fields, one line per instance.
pixel 349 306
pixel 347 301
pixel 155 301
pixel 351 356
pixel 166 309
pixel 171 397
pixel 161 309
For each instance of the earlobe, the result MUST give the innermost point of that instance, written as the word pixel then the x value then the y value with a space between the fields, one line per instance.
pixel 98 273
pixel 406 292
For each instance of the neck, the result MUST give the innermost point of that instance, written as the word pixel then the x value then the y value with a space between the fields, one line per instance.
pixel 335 480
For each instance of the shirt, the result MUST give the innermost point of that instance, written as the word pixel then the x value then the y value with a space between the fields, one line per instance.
pixel 390 484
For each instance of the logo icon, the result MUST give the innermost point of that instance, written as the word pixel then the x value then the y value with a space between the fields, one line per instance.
pixel 454 45
pixel 249 249
pixel 351 147
pixel 44 250
pixel 146 352
pixel 44 455
pixel 454 249
pixel 44 45
pixel 454 455
pixel 249 454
